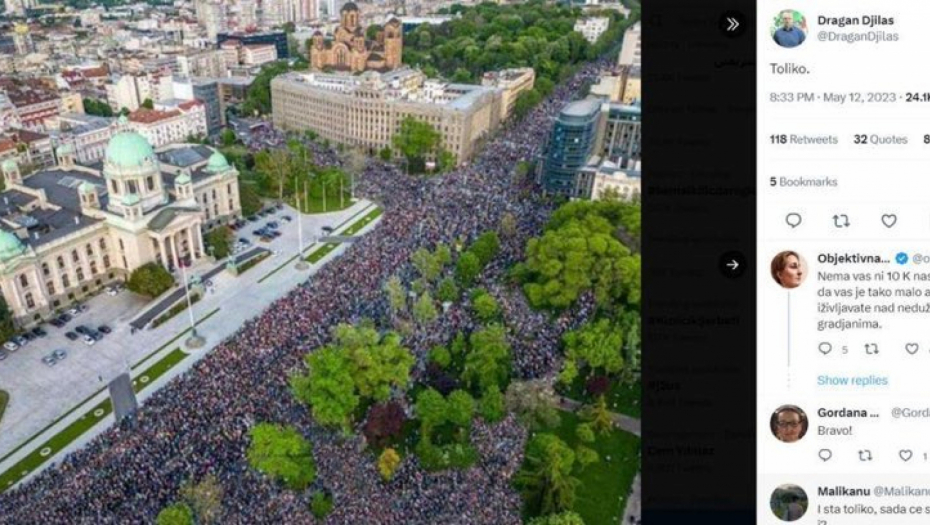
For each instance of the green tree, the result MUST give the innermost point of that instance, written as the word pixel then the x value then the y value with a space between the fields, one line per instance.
pixel 508 224
pixel 446 160
pixel 485 306
pixel 598 416
pixel 148 104
pixel 397 295
pixel 426 263
pixel 386 154
pixel 440 355
pixel 328 387
pixel 277 165
pixel 597 344
pixel 424 310
pixel 579 256
pixel 467 269
pixel 461 408
pixel 546 476
pixel 416 140
pixel 563 518
pixel 228 137
pixel 388 462
pixel 526 101
pixel 586 456
pixel 585 433
pixel 218 239
pixel 175 514
pixel 491 405
pixel 378 363
pixel 205 498
pixel 443 255
pixel 534 402
pixel 447 291
pixel 488 360
pixel 7 326
pixel 486 247
pixel 96 107
pixel 432 409
pixel 371 32
pixel 321 504
pixel 150 279
pixel 282 453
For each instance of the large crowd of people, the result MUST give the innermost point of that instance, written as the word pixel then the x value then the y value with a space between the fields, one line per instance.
pixel 198 424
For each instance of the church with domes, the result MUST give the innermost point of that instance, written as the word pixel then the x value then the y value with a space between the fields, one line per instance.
pixel 349 50
pixel 68 230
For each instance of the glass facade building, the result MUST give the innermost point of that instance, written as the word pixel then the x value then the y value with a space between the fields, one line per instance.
pixel 573 139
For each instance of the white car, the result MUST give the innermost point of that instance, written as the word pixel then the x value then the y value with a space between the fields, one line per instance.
pixel 88 340
pixel 74 310
pixel 112 291
pixel 11 346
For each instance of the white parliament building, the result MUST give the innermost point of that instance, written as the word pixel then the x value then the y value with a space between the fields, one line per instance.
pixel 68 230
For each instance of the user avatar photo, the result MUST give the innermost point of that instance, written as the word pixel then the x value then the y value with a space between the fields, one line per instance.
pixel 788 423
pixel 789 269
pixel 789 29
pixel 789 502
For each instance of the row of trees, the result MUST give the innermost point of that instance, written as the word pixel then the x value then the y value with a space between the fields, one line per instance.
pixel 419 141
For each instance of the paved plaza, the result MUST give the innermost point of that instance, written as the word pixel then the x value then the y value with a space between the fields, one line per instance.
pixel 40 393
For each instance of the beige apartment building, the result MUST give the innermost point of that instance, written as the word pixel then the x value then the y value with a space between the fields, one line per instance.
pixel 366 110
pixel 66 231
pixel 512 82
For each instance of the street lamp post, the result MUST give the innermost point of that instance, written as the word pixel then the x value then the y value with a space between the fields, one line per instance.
pixel 194 341
pixel 301 263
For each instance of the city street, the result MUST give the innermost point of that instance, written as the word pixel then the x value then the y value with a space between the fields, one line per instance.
pixel 40 393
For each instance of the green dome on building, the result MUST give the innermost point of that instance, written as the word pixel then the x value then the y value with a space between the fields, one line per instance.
pixel 129 150
pixel 10 246
pixel 183 178
pixel 131 199
pixel 9 164
pixel 86 187
pixel 65 149
pixel 217 163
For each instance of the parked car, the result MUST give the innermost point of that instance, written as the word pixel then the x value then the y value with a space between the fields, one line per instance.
pixel 3 355
pixel 83 307
pixel 65 317
pixel 111 290
pixel 279 206
pixel 74 310
pixel 11 346
pixel 327 229
pixel 105 329
pixel 251 218
pixel 88 340
pixel 60 354
pixel 95 334
pixel 81 329
pixel 20 340
pixel 244 241
pixel 259 232
pixel 39 332
pixel 286 218
pixel 56 322
pixel 275 233
pixel 272 225
pixel 71 336
pixel 50 360
pixel 29 336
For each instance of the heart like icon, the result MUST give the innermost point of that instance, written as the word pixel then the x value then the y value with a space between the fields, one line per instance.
pixel 911 348
pixel 889 219
pixel 906 455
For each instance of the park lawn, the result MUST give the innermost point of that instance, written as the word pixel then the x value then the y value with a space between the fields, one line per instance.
pixel 621 398
pixel 314 204
pixel 361 223
pixel 601 498
pixel 321 252
pixel 155 371
pixel 4 399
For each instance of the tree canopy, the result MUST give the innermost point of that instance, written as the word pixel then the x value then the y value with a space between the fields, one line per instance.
pixel 547 474
pixel 416 140
pixel 282 453
pixel 150 279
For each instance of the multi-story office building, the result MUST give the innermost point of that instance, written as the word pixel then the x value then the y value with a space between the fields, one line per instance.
pixel 277 38
pixel 257 54
pixel 203 63
pixel 592 28
pixel 620 134
pixel 206 90
pixel 600 178
pixel 366 110
pixel 87 135
pixel 131 91
pixel 512 82
pixel 571 144
pixel 170 122
pixel 631 52
pixel 66 231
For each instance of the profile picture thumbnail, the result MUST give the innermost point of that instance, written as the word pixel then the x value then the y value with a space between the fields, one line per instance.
pixel 789 502
pixel 788 423
pixel 789 29
pixel 789 269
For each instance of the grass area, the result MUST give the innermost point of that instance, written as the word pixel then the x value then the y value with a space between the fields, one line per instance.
pixel 622 398
pixel 604 485
pixel 171 341
pixel 4 400
pixel 179 307
pixel 251 263
pixel 323 251
pixel 158 369
pixel 361 223
pixel 314 204
pixel 90 418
